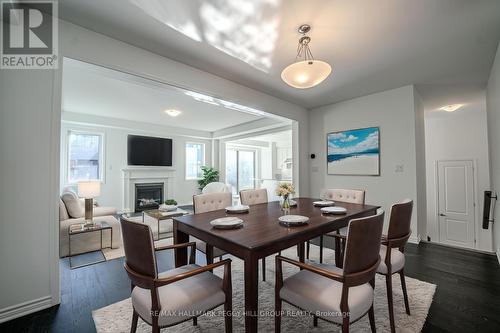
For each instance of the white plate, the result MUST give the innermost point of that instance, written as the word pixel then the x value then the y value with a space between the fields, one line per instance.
pixel 228 222
pixel 293 203
pixel 238 209
pixel 293 219
pixel 334 210
pixel 323 203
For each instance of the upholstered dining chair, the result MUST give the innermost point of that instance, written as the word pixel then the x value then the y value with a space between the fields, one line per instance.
pixel 254 197
pixel 208 202
pixel 343 195
pixel 340 296
pixel 172 297
pixel 392 252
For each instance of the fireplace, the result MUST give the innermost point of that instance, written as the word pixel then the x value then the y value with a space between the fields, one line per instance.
pixel 148 196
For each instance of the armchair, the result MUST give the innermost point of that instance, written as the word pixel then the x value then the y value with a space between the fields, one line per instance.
pixel 172 297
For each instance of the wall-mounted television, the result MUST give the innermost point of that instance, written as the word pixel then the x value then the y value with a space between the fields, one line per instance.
pixel 149 151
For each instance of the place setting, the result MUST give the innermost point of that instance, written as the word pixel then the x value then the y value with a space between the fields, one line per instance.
pixel 228 222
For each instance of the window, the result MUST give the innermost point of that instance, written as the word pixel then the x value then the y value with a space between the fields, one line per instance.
pixel 195 158
pixel 85 156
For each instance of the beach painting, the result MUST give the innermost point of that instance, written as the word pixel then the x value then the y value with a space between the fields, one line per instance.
pixel 354 152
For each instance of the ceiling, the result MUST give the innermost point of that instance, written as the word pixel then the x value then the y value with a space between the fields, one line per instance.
pixel 94 90
pixel 371 45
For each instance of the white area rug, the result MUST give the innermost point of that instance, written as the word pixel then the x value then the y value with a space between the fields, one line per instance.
pixel 165 228
pixel 117 317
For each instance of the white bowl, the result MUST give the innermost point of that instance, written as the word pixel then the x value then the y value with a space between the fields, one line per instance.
pixel 167 208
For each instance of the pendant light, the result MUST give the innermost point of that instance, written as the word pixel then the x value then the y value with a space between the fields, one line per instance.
pixel 308 72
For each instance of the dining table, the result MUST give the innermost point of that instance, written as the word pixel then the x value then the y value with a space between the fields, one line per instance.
pixel 260 236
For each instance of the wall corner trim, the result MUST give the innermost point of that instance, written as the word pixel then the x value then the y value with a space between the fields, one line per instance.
pixel 25 308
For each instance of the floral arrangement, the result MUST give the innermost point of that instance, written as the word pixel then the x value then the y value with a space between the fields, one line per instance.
pixel 285 189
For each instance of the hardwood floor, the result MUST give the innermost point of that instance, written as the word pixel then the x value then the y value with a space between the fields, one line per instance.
pixel 467 297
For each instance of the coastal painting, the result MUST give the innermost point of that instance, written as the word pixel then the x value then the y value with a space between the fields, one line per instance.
pixel 354 152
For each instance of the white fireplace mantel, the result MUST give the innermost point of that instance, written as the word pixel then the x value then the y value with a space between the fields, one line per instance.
pixel 132 175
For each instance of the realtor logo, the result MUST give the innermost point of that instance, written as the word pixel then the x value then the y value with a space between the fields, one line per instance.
pixel 29 35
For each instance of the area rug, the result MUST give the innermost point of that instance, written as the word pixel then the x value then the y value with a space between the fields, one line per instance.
pixel 117 317
pixel 165 228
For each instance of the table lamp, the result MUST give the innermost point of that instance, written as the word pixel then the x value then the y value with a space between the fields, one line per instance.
pixel 89 190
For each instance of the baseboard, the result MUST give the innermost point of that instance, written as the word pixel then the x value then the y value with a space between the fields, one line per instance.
pixel 414 240
pixel 25 308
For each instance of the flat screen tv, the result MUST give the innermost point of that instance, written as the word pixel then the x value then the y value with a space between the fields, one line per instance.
pixel 149 151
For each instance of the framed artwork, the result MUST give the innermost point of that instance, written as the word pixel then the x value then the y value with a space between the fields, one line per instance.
pixel 354 152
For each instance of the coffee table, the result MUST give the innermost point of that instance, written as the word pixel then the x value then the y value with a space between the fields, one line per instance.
pixel 160 215
pixel 81 228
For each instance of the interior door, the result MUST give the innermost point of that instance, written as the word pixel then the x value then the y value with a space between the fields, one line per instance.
pixel 456 203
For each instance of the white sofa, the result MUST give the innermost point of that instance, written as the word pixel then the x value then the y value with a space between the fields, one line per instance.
pixel 89 241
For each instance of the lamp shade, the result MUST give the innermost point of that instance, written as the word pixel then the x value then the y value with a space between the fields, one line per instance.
pixel 89 189
pixel 306 74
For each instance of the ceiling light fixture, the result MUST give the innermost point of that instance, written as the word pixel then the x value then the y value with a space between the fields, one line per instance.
pixel 451 107
pixel 172 112
pixel 305 73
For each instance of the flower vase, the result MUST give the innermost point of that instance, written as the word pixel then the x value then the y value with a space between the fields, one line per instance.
pixel 285 205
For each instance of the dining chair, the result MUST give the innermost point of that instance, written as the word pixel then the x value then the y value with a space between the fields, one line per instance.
pixel 203 203
pixel 254 197
pixel 340 296
pixel 174 296
pixel 392 252
pixel 343 195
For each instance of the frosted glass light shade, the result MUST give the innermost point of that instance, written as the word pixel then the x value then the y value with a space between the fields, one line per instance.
pixel 306 74
pixel 89 189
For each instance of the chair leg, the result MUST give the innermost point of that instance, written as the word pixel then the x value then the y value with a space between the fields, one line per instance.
pixel 156 327
pixel 345 324
pixel 315 321
pixel 371 316
pixel 321 249
pixel 228 316
pixel 264 269
pixel 405 294
pixel 388 283
pixel 195 321
pixel 135 318
pixel 308 249
pixel 277 315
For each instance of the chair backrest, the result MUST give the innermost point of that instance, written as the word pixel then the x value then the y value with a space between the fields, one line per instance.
pixel 253 197
pixel 363 244
pixel 346 195
pixel 203 203
pixel 216 187
pixel 139 247
pixel 400 222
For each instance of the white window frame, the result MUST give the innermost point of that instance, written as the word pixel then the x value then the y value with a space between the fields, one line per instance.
pixel 101 154
pixel 203 162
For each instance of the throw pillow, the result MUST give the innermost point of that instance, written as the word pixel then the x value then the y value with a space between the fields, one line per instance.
pixel 73 204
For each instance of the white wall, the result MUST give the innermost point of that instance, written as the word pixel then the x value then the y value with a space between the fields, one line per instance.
pixel 459 135
pixel 115 156
pixel 394 112
pixel 30 133
pixel 420 158
pixel 493 107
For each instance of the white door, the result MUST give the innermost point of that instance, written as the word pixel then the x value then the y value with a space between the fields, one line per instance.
pixel 456 203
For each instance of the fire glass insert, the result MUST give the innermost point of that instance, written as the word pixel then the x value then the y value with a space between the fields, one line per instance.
pixel 148 196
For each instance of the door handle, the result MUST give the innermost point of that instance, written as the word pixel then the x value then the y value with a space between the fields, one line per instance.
pixel 441 214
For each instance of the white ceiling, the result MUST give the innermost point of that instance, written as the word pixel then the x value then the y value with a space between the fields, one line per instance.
pixel 94 90
pixel 372 45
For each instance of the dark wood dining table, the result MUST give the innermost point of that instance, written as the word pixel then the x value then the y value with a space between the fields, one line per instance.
pixel 261 235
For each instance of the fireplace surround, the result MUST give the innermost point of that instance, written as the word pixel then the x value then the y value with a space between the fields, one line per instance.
pixel 148 196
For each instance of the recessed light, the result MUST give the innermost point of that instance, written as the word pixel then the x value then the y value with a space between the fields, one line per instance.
pixel 172 112
pixel 451 107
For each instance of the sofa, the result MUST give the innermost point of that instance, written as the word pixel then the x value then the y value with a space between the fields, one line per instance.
pixel 72 211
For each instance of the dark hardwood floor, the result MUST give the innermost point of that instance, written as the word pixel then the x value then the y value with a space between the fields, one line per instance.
pixel 467 297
